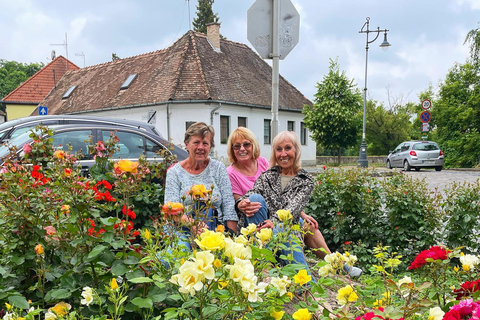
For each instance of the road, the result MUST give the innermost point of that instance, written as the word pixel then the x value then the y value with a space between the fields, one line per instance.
pixel 441 179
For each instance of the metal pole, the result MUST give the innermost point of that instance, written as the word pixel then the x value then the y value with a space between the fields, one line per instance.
pixel 362 157
pixel 275 68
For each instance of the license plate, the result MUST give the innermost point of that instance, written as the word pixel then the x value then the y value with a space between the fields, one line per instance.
pixel 428 161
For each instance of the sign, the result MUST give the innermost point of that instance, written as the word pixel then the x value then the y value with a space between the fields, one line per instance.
pixel 425 127
pixel 425 116
pixel 426 104
pixel 260 27
pixel 43 111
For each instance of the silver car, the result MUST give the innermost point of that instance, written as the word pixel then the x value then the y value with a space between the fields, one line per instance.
pixel 416 155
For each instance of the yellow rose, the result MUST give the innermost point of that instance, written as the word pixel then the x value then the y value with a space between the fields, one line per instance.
pixel 265 234
pixel 249 229
pixel 277 315
pixel 302 314
pixel 39 249
pixel 211 240
pixel 290 295
pixel 65 208
pixel 346 294
pixel 284 215
pixel 113 284
pixel 302 277
pixel 198 191
pixel 60 309
pixel 59 154
pixel 126 166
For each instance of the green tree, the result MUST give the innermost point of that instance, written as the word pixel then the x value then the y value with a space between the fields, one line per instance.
pixel 13 73
pixel 335 118
pixel 457 116
pixel 473 37
pixel 205 16
pixel 386 128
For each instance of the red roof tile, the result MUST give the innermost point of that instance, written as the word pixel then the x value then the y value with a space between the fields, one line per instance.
pixel 41 83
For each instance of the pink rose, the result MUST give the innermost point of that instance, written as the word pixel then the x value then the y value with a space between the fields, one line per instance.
pixel 27 148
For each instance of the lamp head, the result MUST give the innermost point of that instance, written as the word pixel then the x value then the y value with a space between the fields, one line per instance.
pixel 385 44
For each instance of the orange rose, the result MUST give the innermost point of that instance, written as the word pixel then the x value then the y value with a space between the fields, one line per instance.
pixel 59 154
pixel 198 191
pixel 172 208
pixel 39 249
pixel 126 166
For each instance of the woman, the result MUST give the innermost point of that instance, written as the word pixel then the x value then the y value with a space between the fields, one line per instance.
pixel 198 168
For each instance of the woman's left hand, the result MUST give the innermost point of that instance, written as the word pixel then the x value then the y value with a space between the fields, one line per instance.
pixel 309 219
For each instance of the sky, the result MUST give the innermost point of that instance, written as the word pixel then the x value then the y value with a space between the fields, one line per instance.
pixel 426 36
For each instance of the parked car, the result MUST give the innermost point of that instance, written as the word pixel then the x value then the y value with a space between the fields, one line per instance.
pixel 133 142
pixel 14 128
pixel 416 155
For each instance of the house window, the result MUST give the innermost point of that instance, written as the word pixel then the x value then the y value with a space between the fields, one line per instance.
pixel 242 122
pixel 291 126
pixel 128 81
pixel 69 92
pixel 188 124
pixel 303 134
pixel 267 133
pixel 224 128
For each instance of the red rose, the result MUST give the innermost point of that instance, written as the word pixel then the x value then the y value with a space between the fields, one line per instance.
pixel 452 315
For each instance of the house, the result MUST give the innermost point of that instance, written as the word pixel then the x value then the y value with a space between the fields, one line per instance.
pixel 22 101
pixel 198 78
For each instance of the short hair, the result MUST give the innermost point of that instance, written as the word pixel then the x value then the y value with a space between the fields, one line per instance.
pixel 200 129
pixel 242 133
pixel 292 136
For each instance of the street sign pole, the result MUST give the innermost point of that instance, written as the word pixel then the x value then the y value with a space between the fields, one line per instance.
pixel 275 68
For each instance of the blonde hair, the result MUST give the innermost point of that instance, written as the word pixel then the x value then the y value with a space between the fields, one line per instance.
pixel 246 134
pixel 200 129
pixel 281 137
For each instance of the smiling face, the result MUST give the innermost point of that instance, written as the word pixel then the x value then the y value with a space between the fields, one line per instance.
pixel 242 149
pixel 285 154
pixel 198 148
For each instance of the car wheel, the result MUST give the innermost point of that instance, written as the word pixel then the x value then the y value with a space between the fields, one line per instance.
pixel 438 168
pixel 406 166
pixel 417 169
pixel 389 165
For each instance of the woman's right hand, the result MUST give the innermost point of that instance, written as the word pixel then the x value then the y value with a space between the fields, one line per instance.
pixel 249 208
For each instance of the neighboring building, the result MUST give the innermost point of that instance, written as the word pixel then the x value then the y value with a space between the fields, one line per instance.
pixel 22 101
pixel 198 78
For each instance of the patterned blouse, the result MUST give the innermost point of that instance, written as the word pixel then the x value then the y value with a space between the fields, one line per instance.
pixel 179 181
pixel 293 197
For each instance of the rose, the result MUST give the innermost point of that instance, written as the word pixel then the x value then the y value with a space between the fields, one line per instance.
pixel 211 240
pixel 284 215
pixel 39 250
pixel 172 208
pixel 302 277
pixel 123 166
pixel 346 294
pixel 198 191
pixel 27 148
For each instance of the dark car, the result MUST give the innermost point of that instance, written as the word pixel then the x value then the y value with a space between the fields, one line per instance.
pixel 416 155
pixel 14 128
pixel 133 142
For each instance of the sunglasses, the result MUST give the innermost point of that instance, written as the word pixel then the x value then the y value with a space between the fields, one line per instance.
pixel 237 146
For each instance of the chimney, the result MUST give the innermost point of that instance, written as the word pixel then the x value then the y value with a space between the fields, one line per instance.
pixel 213 34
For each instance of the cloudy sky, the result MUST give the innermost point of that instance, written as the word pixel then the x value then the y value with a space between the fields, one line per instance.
pixel 427 36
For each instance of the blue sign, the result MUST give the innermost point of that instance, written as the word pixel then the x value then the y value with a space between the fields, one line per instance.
pixel 425 116
pixel 43 111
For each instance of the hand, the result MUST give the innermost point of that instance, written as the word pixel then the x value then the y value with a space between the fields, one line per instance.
pixel 310 220
pixel 265 224
pixel 249 208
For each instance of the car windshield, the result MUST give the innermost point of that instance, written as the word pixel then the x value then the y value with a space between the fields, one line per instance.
pixel 425 146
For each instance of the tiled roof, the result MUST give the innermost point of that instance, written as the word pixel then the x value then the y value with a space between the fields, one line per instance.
pixel 39 85
pixel 190 69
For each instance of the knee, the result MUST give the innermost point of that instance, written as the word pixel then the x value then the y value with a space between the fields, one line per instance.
pixel 257 198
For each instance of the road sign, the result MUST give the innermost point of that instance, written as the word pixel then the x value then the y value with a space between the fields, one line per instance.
pixel 426 104
pixel 425 116
pixel 425 127
pixel 260 27
pixel 43 111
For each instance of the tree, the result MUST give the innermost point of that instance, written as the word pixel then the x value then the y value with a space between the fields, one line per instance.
pixel 473 37
pixel 457 116
pixel 115 57
pixel 13 73
pixel 205 16
pixel 386 128
pixel 335 118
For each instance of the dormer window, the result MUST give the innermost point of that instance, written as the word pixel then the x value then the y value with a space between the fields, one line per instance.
pixel 128 82
pixel 69 92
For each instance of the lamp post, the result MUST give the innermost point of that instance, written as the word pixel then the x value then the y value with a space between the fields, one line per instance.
pixel 362 158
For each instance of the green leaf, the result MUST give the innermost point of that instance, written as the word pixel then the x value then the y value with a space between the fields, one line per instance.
pixel 18 302
pixel 95 252
pixel 119 268
pixel 143 302
pixel 60 294
pixel 140 280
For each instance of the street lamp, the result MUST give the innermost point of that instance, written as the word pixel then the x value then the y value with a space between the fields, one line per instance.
pixel 362 158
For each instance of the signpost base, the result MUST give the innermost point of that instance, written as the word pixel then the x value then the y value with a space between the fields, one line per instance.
pixel 362 158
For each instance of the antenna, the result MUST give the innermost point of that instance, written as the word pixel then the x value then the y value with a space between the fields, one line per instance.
pixel 63 44
pixel 53 55
pixel 81 54
pixel 189 20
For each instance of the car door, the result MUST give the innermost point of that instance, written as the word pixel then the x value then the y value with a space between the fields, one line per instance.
pixel 404 154
pixel 394 156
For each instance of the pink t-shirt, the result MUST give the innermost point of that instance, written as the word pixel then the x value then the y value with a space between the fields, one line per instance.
pixel 240 183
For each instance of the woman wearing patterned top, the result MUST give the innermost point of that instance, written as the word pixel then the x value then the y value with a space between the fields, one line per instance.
pixel 198 168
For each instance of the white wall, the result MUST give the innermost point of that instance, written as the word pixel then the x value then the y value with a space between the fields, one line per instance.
pixel 182 113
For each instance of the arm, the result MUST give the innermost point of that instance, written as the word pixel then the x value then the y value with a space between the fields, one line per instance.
pixel 225 189
pixel 172 186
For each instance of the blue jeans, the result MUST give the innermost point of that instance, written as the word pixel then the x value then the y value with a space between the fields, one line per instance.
pixel 262 215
